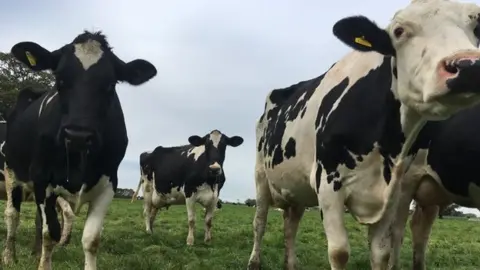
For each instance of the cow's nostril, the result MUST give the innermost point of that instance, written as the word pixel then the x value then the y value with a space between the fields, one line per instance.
pixel 450 67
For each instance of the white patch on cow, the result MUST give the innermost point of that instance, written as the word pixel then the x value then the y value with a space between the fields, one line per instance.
pixel 88 53
pixel 196 151
pixel 1 148
pixel 46 100
pixel 83 197
pixel 215 137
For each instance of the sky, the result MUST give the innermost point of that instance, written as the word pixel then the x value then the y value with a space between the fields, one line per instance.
pixel 216 60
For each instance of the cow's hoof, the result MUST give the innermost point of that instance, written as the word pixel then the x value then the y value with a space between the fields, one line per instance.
pixel 190 241
pixel 253 265
pixel 65 240
pixel 149 232
pixel 207 240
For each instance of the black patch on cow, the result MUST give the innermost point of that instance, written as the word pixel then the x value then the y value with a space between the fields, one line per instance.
pixel 368 113
pixel 289 107
pixel 260 144
pixel 337 185
pixel 17 196
pixel 454 150
pixel 290 148
pixel 395 72
pixel 359 158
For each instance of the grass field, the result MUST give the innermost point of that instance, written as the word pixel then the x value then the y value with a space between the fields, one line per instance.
pixel 455 244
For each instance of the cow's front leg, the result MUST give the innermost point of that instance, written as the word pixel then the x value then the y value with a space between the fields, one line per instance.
pixel 67 220
pixel 51 230
pixel 12 215
pixel 209 212
pixel 190 202
pixel 97 210
pixel 148 206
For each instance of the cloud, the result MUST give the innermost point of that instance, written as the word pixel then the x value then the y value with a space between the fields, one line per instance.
pixel 216 62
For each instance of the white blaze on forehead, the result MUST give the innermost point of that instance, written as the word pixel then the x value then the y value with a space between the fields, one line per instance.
pixel 88 53
pixel 215 137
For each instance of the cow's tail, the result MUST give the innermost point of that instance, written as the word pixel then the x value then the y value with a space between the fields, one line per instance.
pixel 134 197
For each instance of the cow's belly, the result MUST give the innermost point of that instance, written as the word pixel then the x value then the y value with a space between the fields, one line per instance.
pixel 289 184
pixel 176 196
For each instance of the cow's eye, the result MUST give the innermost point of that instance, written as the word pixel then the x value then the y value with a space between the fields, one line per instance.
pixel 476 31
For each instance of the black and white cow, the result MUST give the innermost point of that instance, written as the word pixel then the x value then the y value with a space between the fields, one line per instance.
pixel 62 204
pixel 344 138
pixel 186 175
pixel 444 171
pixel 70 140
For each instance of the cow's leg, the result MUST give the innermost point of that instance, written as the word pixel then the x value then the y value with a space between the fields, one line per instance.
pixel 12 215
pixel 333 209
pixel 37 245
pixel 97 210
pixel 380 239
pixel 147 206
pixel 398 231
pixel 209 211
pixel 67 220
pixel 263 200
pixel 190 202
pixel 51 230
pixel 153 215
pixel 291 220
pixel 421 225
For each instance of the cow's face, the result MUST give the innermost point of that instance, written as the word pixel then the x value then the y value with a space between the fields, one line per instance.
pixel 86 73
pixel 434 45
pixel 215 145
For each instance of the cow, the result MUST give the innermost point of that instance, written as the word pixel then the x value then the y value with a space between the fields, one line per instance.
pixel 186 174
pixel 68 141
pixel 62 205
pixel 444 171
pixel 344 138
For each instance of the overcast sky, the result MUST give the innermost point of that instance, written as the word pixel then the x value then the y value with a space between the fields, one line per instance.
pixel 216 62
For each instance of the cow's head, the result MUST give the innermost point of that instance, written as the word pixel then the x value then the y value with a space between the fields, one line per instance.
pixel 86 73
pixel 215 145
pixel 434 45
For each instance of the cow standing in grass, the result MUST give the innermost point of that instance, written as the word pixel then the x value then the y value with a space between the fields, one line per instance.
pixel 70 140
pixel 345 137
pixel 444 171
pixel 185 175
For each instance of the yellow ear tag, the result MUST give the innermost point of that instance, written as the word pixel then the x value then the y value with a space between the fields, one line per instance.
pixel 31 59
pixel 363 41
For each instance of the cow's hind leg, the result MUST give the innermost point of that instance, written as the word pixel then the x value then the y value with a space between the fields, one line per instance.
pixel 67 220
pixel 421 226
pixel 263 201
pixel 51 230
pixel 37 245
pixel 12 215
pixel 190 202
pixel 148 206
pixel 97 210
pixel 291 220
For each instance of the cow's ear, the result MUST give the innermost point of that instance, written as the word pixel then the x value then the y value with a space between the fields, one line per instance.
pixel 362 34
pixel 196 140
pixel 235 141
pixel 34 56
pixel 137 72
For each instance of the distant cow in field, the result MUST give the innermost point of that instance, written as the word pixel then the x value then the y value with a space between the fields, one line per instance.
pixel 68 141
pixel 444 171
pixel 62 204
pixel 345 138
pixel 186 175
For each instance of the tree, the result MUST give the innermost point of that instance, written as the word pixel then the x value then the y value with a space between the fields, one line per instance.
pixel 250 202
pixel 15 76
